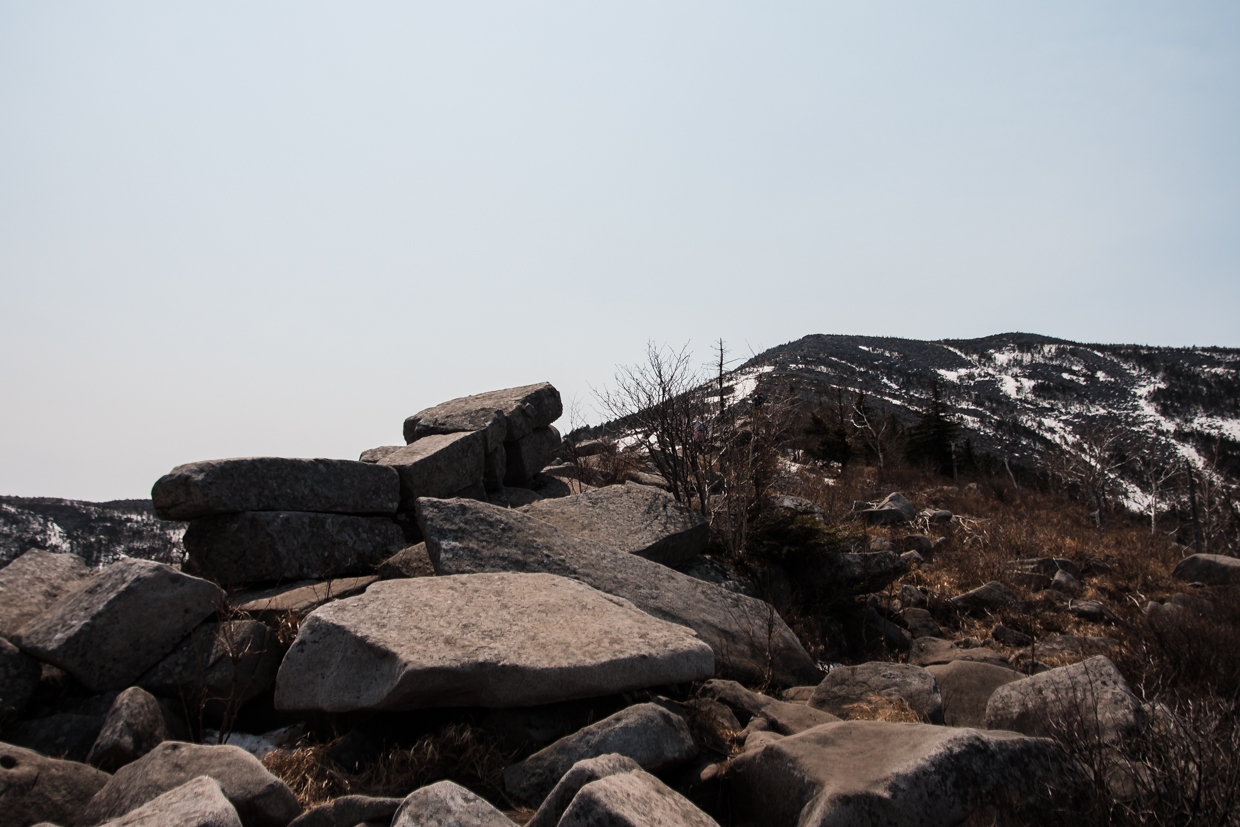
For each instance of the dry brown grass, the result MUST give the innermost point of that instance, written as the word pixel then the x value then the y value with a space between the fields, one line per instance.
pixel 878 708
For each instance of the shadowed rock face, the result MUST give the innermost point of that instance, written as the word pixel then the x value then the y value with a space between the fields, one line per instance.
pixel 493 640
pixel 438 466
pixel 750 641
pixel 1211 569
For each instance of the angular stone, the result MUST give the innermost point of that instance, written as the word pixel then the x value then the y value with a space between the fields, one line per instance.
pixel 258 546
pixel 19 678
pixel 928 651
pixel 521 409
pixel 37 789
pixel 894 509
pixel 301 597
pixel 1089 699
pixel 1009 637
pixel 1210 569
pixel 783 717
pixel 348 811
pixel 32 583
pixel 750 641
pixel 920 623
pixel 438 466
pixel 914 775
pixel 1092 611
pixel 225 486
pixel 445 804
pixel 373 455
pixel 117 625
pixel 493 640
pixel 846 685
pixel 985 599
pixel 135 725
pixel 530 454
pixel 966 687
pixel 197 803
pixel 636 799
pixel 408 562
pixel 582 773
pixel 260 799
pixel 218 667
pixel 636 519
pixel 649 734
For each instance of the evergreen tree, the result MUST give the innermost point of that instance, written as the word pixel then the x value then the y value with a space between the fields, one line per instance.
pixel 931 441
pixel 832 444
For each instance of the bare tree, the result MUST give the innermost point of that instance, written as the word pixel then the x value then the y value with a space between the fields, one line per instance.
pixel 1095 461
pixel 1157 466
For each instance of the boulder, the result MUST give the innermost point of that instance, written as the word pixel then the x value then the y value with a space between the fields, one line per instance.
pixel 1092 611
pixel 912 597
pixel 218 667
pixel 521 410
pixel 750 641
pixel 32 583
pixel 635 799
pixel 991 597
pixel 135 725
pixel 491 640
pixel 1089 699
pixel 582 773
pixel 438 466
pixel 301 597
pixel 413 561
pixel 1049 566
pixel 894 509
pixel 1009 637
pixel 260 799
pixel 198 802
pixel 118 624
pixel 348 811
pixel 648 733
pixel 921 623
pixel 928 651
pixel 528 455
pixel 847 685
pixel 67 735
pixel 225 486
pixel 445 804
pixel 966 686
pixel 636 519
pixel 35 789
pixel 1210 569
pixel 19 678
pixel 373 455
pixel 913 775
pixel 782 717
pixel 937 515
pixel 257 546
pixel 1066 583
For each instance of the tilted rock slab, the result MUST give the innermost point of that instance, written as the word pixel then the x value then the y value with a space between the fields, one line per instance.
pixel 260 799
pixel 912 775
pixel 445 804
pixel 438 466
pixel 635 799
pixel 197 803
pixel 582 773
pixel 119 623
pixel 493 640
pixel 258 546
pixel 34 788
pixel 1211 569
pixel 750 640
pixel 846 685
pixel 225 486
pixel 33 582
pixel 520 410
pixel 636 519
pixel 301 597
pixel 651 735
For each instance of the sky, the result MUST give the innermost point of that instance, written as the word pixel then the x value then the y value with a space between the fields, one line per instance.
pixel 239 229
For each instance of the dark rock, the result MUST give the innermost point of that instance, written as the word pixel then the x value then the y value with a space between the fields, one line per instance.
pixel 225 486
pixel 912 597
pixel 529 455
pixel 1065 582
pixel 847 685
pixel 966 686
pixel 1210 569
pixel 348 811
pixel 843 573
pixel 438 466
pixel 522 410
pixel 445 804
pixel 879 632
pixel 1010 637
pixel 1049 566
pixel 134 726
pixel 19 678
pixel 495 468
pixel 921 623
pixel 32 583
pixel 919 543
pixel 991 597
pixel 937 515
pixel 218 667
pixel 63 735
pixel 408 562
pixel 36 789
pixel 257 546
pixel 1092 611
pixel 894 509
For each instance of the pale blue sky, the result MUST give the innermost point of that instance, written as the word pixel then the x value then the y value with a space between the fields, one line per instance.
pixel 231 229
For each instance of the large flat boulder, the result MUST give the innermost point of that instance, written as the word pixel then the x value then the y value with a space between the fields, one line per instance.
pixel 651 735
pixel 751 642
pixel 117 625
pixel 913 775
pixel 34 788
pixel 198 802
pixel 259 546
pixel 636 519
pixel 33 582
pixel 633 799
pixel 260 799
pixel 438 466
pixel 218 667
pixel 1210 569
pixel 848 685
pixel 493 640
pixel 225 486
pixel 525 457
pixel 521 410
pixel 966 688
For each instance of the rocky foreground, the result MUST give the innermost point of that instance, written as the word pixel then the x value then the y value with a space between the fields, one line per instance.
pixel 466 569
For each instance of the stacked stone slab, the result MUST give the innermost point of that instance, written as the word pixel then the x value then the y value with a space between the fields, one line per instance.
pixel 265 519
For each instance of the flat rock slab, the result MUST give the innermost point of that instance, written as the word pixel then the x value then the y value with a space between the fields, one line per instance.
pixel 750 641
pixel 225 486
pixel 258 546
pixel 34 788
pixel 33 582
pixel 301 597
pixel 651 735
pixel 913 775
pixel 492 640
pixel 635 799
pixel 636 519
pixel 197 803
pixel 966 687
pixel 438 466
pixel 1211 569
pixel 847 685
pixel 520 410
pixel 260 799
pixel 117 625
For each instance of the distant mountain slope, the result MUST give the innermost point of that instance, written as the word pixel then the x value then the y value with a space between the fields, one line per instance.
pixel 98 532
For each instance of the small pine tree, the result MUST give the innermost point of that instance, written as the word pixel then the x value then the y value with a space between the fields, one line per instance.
pixel 931 441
